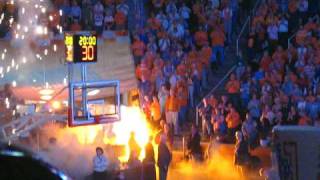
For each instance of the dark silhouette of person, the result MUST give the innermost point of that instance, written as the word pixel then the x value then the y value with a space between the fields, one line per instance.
pixel 149 170
pixel 133 145
pixel 193 145
pixel 164 157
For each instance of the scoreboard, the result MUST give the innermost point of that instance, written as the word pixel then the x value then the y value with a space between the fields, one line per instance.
pixel 80 48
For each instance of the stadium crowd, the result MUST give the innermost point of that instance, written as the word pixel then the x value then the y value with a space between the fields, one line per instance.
pixel 182 43
pixel 275 83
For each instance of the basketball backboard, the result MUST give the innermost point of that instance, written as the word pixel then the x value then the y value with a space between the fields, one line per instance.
pixel 94 102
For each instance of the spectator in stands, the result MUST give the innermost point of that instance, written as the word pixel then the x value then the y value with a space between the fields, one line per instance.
pixel 87 14
pixel 75 26
pixel 304 119
pixel 226 15
pixel 303 6
pixel 163 93
pixel 172 109
pixel 146 107
pixel 108 20
pixel 219 125
pixel 182 97
pixel 273 36
pixel 123 7
pixel 138 49
pixel 293 116
pixel 145 88
pixel 250 131
pixel 120 20
pixel 176 30
pixel 98 17
pixel 233 89
pixel 206 114
pixel 184 11
pixel 283 31
pixel 75 11
pixel 217 41
pixel 245 93
pixel 155 111
pixel 254 107
pixel 190 92
pixel 233 122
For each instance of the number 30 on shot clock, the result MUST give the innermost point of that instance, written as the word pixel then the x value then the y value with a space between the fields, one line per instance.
pixel 81 48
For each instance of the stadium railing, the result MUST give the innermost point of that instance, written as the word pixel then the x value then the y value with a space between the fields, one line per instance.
pixel 223 79
pixel 246 25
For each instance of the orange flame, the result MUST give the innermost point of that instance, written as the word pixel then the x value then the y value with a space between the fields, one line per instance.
pixel 132 120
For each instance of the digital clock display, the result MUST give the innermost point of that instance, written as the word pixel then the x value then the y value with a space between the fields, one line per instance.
pixel 81 48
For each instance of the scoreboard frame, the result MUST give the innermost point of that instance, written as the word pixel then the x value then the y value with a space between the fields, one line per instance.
pixel 81 47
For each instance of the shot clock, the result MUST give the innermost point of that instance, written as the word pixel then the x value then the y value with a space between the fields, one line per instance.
pixel 81 48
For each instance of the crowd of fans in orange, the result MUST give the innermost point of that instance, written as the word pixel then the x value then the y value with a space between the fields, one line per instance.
pixel 177 51
pixel 183 44
pixel 275 83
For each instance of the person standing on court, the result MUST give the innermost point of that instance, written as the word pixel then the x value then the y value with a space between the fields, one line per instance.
pixel 164 157
pixel 149 170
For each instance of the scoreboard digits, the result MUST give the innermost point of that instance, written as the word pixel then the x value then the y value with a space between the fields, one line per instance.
pixel 81 48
